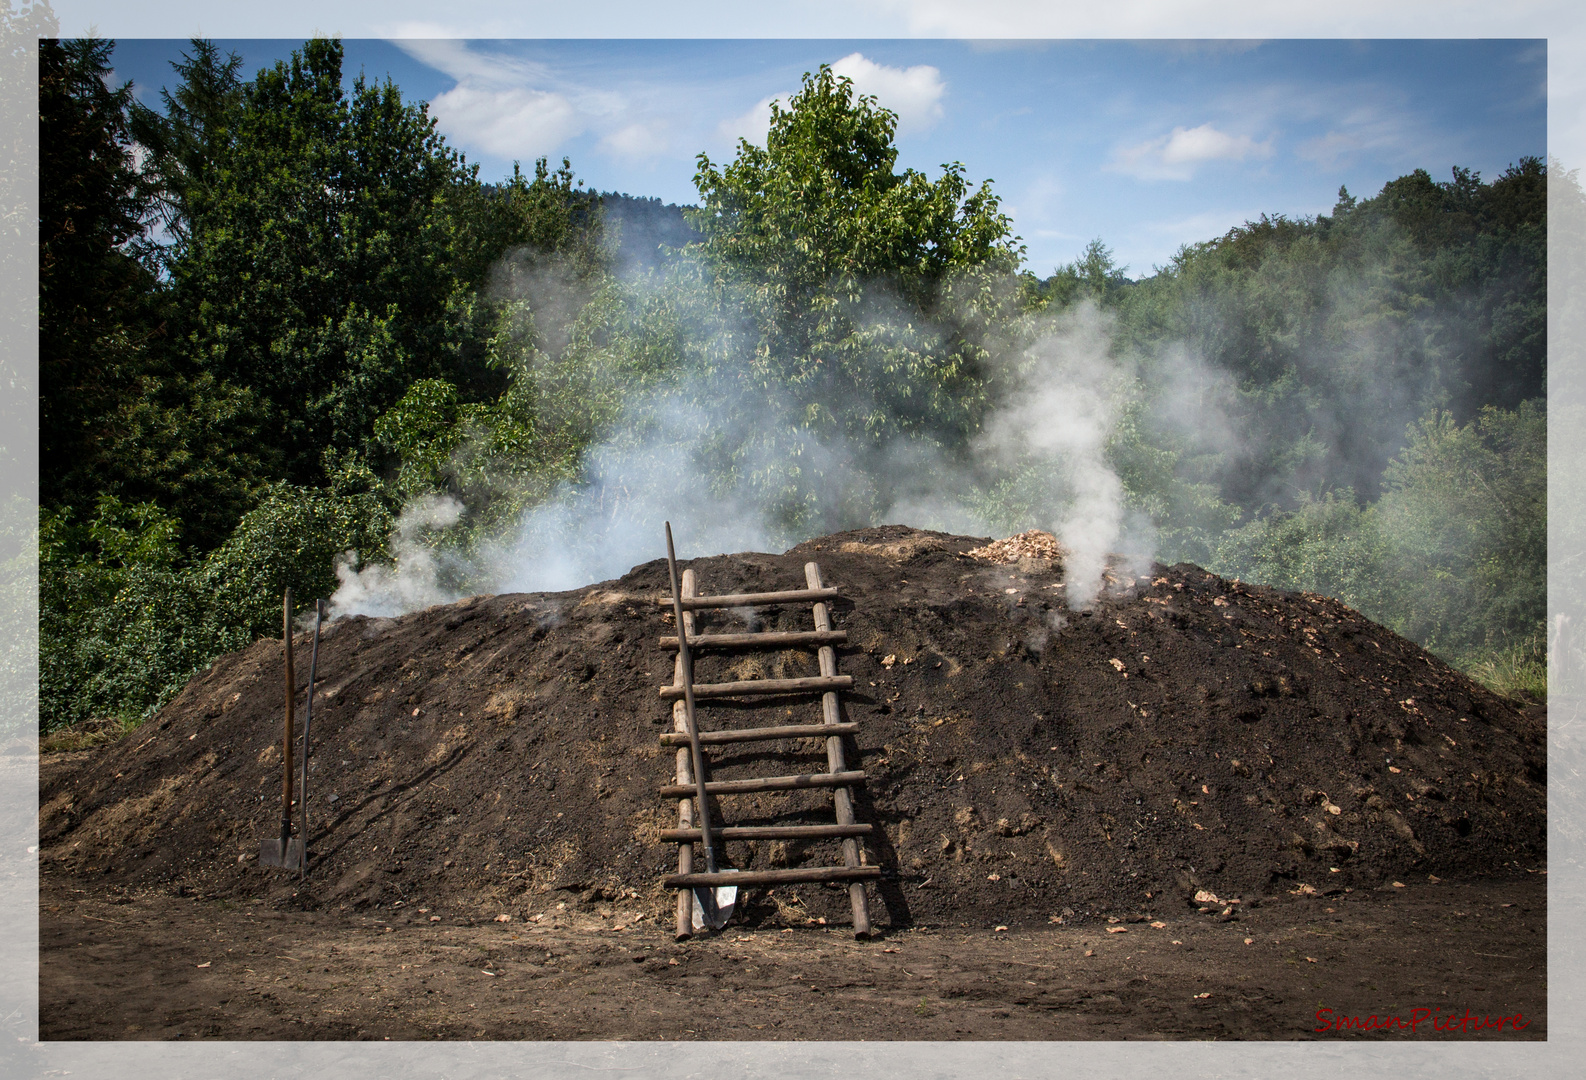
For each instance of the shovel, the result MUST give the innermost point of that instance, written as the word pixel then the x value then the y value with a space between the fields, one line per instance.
pixel 286 852
pixel 712 907
pixel 308 720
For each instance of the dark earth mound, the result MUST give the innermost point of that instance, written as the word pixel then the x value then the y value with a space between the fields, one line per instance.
pixel 1026 762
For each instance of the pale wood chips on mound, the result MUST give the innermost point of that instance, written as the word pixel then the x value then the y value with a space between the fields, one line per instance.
pixel 1034 544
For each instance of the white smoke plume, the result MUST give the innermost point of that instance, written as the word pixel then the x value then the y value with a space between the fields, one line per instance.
pixel 413 579
pixel 614 521
pixel 1055 431
pixel 1046 445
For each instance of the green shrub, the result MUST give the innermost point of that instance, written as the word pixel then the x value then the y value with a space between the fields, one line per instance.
pixel 124 623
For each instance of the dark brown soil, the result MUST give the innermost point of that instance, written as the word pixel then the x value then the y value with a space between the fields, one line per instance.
pixel 1027 763
pixel 165 967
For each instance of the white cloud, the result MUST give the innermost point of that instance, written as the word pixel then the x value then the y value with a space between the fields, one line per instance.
pixel 509 107
pixel 514 123
pixel 1174 156
pixel 644 140
pixel 1188 146
pixel 463 63
pixel 754 124
pixel 914 93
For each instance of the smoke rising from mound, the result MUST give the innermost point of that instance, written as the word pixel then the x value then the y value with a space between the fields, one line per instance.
pixel 1056 430
pixel 735 467
pixel 413 580
pixel 1098 442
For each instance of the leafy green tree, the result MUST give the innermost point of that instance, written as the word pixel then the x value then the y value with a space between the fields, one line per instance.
pixel 192 444
pixel 549 221
pixel 863 295
pixel 1465 510
pixel 1328 545
pixel 126 619
pixel 556 354
pixel 1337 329
pixel 184 147
pixel 293 539
pixel 318 271
pixel 121 627
pixel 832 303
pixel 123 414
pixel 1094 276
pixel 820 210
pixel 92 286
pixel 1454 553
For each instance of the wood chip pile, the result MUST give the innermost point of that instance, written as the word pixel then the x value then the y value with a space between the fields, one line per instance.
pixel 1034 544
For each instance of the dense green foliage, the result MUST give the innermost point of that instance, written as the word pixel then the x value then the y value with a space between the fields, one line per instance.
pixel 1454 552
pixel 1346 327
pixel 336 320
pixel 845 304
pixel 1382 373
pixel 93 289
pixel 213 395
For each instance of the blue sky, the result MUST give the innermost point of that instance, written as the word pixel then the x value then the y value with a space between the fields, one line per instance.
pixel 1146 145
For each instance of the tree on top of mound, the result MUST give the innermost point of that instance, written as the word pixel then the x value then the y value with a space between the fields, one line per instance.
pixel 860 283
pixel 843 305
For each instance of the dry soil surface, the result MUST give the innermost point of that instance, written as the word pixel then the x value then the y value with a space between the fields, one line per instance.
pixel 164 967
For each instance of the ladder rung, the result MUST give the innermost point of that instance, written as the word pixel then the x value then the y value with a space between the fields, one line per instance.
pixel 766 832
pixel 761 734
pixel 766 783
pixel 770 639
pixel 762 686
pixel 793 596
pixel 773 877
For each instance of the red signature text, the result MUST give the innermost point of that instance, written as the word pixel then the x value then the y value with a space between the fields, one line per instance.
pixel 1450 1023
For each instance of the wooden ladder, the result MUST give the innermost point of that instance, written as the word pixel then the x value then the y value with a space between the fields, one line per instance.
pixel 838 776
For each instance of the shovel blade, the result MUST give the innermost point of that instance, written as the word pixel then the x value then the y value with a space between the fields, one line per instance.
pixel 287 854
pixel 713 907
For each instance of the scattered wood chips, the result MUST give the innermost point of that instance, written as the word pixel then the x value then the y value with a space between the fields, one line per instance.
pixel 1034 544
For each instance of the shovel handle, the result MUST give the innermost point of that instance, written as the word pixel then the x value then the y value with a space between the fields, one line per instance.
pixel 286 742
pixel 308 720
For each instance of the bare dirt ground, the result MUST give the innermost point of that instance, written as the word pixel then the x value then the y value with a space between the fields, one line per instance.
pixel 157 966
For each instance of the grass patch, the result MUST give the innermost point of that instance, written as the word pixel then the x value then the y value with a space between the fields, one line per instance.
pixel 86 734
pixel 1517 671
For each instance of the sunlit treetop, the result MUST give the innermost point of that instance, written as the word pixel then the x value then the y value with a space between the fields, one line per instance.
pixel 820 204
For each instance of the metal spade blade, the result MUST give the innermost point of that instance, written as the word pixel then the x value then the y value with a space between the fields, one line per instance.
pixel 713 907
pixel 283 853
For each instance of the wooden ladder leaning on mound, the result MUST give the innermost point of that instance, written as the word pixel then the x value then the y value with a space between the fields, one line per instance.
pixel 837 777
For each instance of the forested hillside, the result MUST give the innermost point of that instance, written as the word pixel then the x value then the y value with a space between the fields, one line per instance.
pixel 289 337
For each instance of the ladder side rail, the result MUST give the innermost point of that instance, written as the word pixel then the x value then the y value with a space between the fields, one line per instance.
pixel 702 802
pixel 842 797
pixel 685 776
